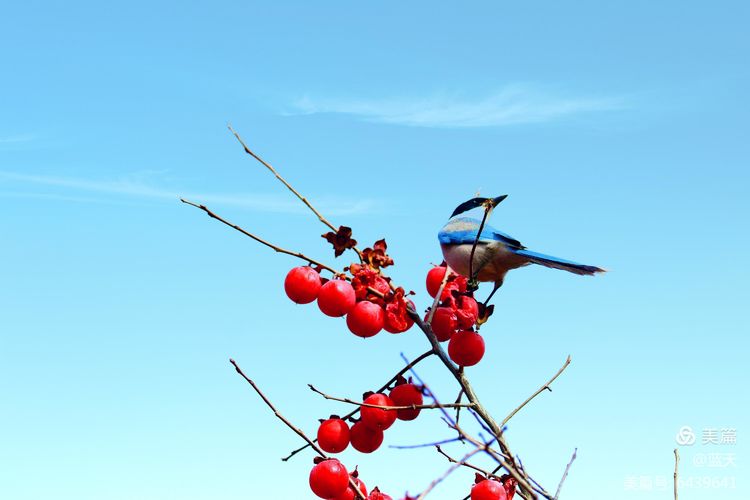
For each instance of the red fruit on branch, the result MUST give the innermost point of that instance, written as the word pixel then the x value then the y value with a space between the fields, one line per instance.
pixel 404 395
pixel 349 494
pixel 376 494
pixel 302 284
pixel 336 298
pixel 333 435
pixel 365 277
pixel 444 323
pixel 329 478
pixel 435 279
pixel 466 348
pixel 489 489
pixel 467 311
pixel 378 418
pixel 365 439
pixel 397 318
pixel 365 319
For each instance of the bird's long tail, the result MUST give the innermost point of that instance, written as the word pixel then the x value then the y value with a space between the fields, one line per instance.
pixel 555 263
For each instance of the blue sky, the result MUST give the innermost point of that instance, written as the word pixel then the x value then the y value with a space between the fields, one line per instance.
pixel 618 129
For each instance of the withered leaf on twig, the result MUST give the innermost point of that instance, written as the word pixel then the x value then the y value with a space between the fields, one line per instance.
pixel 376 255
pixel 341 240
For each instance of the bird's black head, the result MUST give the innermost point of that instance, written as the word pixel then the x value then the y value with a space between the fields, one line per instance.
pixel 487 203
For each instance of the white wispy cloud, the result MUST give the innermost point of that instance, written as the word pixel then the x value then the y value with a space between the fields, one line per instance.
pixel 511 105
pixel 132 186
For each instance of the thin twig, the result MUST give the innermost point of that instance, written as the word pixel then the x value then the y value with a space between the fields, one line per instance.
pixel 487 210
pixel 295 429
pixel 541 389
pixel 465 464
pixel 448 472
pixel 288 186
pixel 270 245
pixel 565 474
pixel 400 373
pixel 676 470
pixel 386 407
pixel 458 406
pixel 423 445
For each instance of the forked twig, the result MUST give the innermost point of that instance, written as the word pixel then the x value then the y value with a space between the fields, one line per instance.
pixel 288 186
pixel 465 464
pixel 294 428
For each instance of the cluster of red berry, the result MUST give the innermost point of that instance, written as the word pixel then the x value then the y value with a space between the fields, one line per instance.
pixel 455 316
pixel 366 435
pixel 370 305
pixel 368 302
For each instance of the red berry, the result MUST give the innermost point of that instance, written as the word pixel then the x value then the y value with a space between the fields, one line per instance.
pixel 378 418
pixel 404 395
pixel 509 483
pixel 333 435
pixel 348 493
pixel 435 279
pixel 397 319
pixel 365 439
pixel 302 284
pixel 336 298
pixel 329 478
pixel 466 348
pixel 377 495
pixel 444 323
pixel 366 319
pixel 488 489
pixel 467 311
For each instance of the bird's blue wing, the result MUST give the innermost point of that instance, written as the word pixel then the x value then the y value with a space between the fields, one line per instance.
pixel 463 230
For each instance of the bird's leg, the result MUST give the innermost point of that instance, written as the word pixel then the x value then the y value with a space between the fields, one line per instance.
pixel 498 284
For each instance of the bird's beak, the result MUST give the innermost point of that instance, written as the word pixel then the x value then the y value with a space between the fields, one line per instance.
pixel 496 201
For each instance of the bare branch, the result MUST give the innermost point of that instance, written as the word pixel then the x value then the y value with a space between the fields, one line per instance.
pixel 276 248
pixel 295 429
pixel 676 470
pixel 542 388
pixel 385 407
pixel 565 474
pixel 288 186
pixel 424 445
pixel 465 464
pixel 448 472
pixel 472 278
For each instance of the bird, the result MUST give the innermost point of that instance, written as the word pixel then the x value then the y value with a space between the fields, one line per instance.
pixel 496 253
